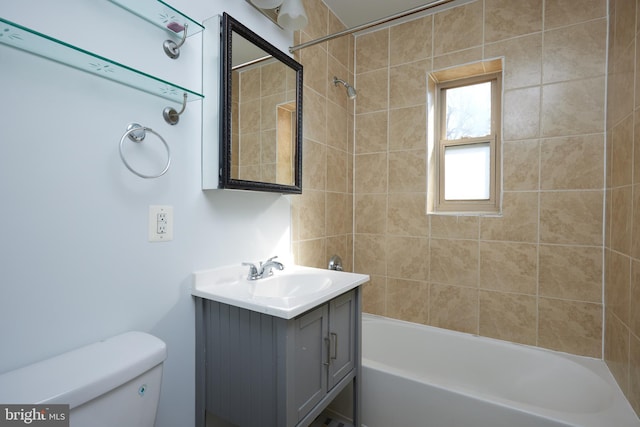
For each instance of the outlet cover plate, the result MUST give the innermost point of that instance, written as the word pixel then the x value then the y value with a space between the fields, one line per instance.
pixel 160 223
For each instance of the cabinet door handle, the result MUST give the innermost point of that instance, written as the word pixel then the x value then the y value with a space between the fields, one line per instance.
pixel 327 341
pixel 334 345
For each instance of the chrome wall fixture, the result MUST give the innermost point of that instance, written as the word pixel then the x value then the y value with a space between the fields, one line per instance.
pixel 351 91
pixel 172 116
pixel 335 263
pixel 171 48
pixel 137 134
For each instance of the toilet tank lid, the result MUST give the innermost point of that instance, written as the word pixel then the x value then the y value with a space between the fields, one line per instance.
pixel 83 374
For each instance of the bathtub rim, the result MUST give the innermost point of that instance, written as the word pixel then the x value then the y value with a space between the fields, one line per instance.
pixel 586 361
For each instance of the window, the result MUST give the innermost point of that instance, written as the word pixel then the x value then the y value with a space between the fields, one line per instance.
pixel 467 144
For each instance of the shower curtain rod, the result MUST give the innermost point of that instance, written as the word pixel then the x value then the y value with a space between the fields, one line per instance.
pixel 251 62
pixel 369 24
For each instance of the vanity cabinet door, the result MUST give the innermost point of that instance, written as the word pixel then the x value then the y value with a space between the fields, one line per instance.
pixel 342 318
pixel 310 358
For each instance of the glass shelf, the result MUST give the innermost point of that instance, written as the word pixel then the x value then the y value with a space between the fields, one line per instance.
pixel 23 38
pixel 162 15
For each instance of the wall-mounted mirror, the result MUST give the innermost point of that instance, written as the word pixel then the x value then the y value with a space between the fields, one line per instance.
pixel 261 129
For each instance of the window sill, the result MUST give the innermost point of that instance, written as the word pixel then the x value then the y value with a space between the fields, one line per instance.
pixel 478 214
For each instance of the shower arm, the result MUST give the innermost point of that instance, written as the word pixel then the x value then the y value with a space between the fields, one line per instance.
pixel 337 80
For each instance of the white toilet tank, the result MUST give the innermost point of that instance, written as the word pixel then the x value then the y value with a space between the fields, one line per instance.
pixel 115 382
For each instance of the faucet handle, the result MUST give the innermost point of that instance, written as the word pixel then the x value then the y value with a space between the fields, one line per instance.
pixel 269 260
pixel 253 270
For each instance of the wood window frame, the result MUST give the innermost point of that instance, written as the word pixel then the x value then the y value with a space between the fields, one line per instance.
pixel 482 206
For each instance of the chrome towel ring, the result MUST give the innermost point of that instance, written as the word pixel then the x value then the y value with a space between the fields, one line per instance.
pixel 137 133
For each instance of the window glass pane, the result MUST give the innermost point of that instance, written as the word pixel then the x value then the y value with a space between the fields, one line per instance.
pixel 467 172
pixel 468 111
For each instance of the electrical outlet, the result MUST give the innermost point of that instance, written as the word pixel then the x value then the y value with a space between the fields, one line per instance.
pixel 161 227
pixel 160 223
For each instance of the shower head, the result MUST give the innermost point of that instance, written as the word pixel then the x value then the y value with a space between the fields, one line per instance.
pixel 351 91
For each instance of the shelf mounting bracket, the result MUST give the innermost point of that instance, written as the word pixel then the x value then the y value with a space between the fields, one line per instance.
pixel 172 116
pixel 171 48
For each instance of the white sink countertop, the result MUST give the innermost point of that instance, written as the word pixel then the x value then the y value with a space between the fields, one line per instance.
pixel 285 294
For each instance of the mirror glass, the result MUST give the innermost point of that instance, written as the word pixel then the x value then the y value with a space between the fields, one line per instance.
pixel 261 114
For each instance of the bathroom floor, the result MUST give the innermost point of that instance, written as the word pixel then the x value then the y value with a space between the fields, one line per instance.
pixel 330 420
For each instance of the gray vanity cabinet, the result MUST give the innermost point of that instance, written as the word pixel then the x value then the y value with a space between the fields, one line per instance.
pixel 253 369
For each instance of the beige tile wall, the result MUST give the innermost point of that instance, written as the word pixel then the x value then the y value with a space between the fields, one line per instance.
pixel 533 275
pixel 622 237
pixel 322 217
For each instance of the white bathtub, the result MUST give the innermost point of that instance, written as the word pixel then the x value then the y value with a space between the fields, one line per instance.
pixel 420 376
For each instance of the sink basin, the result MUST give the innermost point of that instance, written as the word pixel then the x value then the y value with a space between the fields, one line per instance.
pixel 290 285
pixel 285 294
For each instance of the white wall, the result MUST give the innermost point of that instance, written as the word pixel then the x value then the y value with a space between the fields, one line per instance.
pixel 75 263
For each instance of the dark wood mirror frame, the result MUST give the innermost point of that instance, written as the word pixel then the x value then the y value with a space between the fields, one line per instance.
pixel 230 26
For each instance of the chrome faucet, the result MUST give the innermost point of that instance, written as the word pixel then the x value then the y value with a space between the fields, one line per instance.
pixel 264 270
